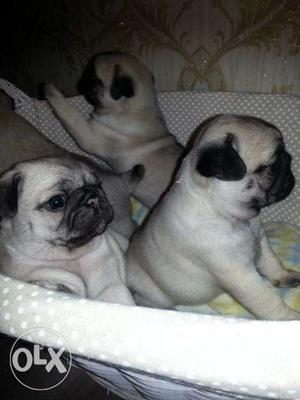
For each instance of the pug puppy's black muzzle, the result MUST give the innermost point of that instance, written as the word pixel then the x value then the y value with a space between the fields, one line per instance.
pixel 87 214
pixel 282 182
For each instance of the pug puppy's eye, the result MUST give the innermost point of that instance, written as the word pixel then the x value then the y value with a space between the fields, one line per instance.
pixel 56 202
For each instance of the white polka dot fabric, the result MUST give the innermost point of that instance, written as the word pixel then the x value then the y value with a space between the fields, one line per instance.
pixel 183 112
pixel 194 356
pixel 40 115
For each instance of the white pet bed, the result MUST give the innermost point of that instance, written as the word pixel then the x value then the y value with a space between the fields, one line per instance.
pixel 141 353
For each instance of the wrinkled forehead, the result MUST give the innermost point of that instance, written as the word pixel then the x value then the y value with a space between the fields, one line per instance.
pixel 53 175
pixel 255 140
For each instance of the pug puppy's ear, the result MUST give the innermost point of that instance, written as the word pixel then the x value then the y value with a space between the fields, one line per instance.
pixel 221 161
pixel 122 86
pixel 9 192
pixel 134 176
pixel 89 85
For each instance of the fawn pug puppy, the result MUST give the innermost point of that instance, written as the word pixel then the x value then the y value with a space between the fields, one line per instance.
pixel 65 225
pixel 204 238
pixel 126 127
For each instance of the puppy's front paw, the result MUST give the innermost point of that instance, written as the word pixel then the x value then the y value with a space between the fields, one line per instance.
pixel 51 92
pixel 44 284
pixel 291 279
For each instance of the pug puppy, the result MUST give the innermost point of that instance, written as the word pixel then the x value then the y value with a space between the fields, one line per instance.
pixel 205 237
pixel 126 127
pixel 65 225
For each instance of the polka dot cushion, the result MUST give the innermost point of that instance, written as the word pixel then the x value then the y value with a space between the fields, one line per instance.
pixel 143 353
pixel 183 112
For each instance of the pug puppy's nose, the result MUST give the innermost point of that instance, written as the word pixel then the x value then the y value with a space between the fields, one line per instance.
pixel 90 198
pixel 259 201
pixel 85 208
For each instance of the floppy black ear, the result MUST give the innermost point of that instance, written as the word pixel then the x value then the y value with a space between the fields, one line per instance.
pixel 89 85
pixel 122 86
pixel 9 193
pixel 221 161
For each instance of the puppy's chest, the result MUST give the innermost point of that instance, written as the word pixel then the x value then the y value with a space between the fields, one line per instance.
pixel 217 240
pixel 106 260
pixel 102 259
pixel 99 267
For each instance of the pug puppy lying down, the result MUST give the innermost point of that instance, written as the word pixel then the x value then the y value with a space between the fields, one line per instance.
pixel 65 225
pixel 205 237
pixel 126 127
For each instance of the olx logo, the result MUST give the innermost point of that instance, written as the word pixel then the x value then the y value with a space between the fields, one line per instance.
pixel 49 365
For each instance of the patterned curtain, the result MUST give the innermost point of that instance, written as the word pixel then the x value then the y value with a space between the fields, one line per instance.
pixel 217 45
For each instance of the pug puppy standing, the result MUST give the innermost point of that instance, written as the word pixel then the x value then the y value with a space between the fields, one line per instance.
pixel 65 225
pixel 204 238
pixel 126 127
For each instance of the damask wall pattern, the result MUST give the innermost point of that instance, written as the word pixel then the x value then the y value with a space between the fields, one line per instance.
pixel 216 45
